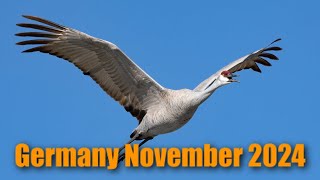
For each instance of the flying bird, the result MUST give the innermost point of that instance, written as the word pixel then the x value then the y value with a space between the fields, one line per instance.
pixel 158 110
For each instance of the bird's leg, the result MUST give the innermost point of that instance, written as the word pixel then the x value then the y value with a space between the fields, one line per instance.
pixel 129 142
pixel 122 156
pixel 144 141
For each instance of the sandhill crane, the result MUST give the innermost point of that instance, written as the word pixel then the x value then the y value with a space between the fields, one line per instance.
pixel 158 110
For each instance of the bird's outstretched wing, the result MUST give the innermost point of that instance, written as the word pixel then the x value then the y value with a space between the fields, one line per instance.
pixel 247 62
pixel 103 61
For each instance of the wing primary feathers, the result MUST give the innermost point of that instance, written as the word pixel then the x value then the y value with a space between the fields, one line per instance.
pixel 273 49
pixel 35 41
pixel 262 61
pixel 255 67
pixel 279 39
pixel 44 21
pixel 37 34
pixel 270 56
pixel 39 27
pixel 38 48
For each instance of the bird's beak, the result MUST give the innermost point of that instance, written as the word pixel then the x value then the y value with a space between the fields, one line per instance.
pixel 231 78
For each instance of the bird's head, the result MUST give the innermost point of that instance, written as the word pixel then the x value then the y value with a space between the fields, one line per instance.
pixel 226 77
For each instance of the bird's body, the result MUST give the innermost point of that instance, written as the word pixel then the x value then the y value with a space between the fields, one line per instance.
pixel 158 110
pixel 174 110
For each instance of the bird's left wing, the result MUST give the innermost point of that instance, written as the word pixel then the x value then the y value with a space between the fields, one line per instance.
pixel 246 62
pixel 103 61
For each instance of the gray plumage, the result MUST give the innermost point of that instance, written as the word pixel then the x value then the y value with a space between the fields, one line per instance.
pixel 159 110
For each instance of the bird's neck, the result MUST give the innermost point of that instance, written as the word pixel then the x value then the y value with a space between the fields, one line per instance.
pixel 215 84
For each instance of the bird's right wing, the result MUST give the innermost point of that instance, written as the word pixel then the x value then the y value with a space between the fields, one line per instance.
pixel 103 61
pixel 246 62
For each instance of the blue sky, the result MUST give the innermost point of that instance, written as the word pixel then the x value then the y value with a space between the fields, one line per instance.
pixel 47 102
